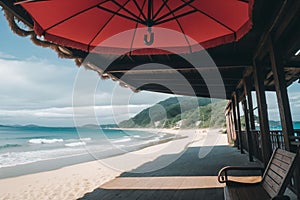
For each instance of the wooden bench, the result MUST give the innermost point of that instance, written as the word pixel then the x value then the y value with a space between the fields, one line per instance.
pixel 272 185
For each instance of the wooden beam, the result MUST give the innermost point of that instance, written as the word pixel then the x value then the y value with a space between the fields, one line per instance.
pixel 292 44
pixel 282 96
pixel 179 84
pixel 239 122
pixel 247 123
pixel 227 108
pixel 173 79
pixel 156 68
pixel 228 125
pixel 263 112
pixel 179 92
pixel 169 77
pixel 177 61
pixel 236 142
pixel 260 51
pixel 233 124
pixel 247 72
pixel 293 9
pixel 250 103
pixel 232 130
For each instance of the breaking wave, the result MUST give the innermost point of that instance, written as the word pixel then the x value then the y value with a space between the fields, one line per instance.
pixel 44 141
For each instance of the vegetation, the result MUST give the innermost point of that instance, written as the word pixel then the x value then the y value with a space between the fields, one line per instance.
pixel 183 112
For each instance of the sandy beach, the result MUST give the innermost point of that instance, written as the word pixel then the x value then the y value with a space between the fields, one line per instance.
pixel 74 181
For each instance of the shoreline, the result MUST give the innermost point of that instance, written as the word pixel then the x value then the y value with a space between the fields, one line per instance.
pixel 72 182
pixel 58 163
pixel 167 130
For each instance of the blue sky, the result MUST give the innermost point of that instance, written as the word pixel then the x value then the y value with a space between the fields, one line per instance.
pixel 36 87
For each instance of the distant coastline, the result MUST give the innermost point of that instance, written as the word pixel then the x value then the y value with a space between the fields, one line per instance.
pixel 32 149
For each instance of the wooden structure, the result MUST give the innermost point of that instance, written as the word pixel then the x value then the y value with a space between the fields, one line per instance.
pixel 273 184
pixel 266 59
pixel 234 61
pixel 183 179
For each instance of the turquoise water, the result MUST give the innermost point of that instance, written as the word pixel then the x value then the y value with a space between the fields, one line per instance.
pixel 296 125
pixel 24 145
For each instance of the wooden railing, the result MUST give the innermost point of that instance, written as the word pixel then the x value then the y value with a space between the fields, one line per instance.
pixel 295 140
pixel 277 141
pixel 256 142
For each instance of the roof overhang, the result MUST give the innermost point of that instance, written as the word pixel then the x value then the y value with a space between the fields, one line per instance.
pixel 279 19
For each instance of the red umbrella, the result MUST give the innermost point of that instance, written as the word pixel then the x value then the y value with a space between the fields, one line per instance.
pixel 140 26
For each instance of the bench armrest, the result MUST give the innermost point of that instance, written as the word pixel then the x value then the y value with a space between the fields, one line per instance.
pixel 222 175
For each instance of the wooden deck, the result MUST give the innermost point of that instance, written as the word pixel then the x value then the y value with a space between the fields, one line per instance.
pixel 161 188
pixel 187 178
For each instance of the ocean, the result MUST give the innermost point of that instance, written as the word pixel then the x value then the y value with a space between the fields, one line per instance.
pixel 31 149
pixel 296 125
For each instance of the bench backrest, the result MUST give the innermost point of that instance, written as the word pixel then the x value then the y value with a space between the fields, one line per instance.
pixel 278 172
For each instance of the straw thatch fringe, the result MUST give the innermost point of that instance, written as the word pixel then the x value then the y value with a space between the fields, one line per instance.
pixel 61 51
pixel 39 42
pixel 106 75
pixel 14 27
pixel 78 61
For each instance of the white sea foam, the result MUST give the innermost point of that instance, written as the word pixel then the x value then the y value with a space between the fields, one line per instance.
pixel 75 144
pixel 153 140
pixel 127 139
pixel 85 139
pixel 44 141
pixel 10 159
pixel 78 140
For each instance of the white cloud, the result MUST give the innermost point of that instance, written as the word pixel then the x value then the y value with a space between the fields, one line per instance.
pixel 64 116
pixel 273 110
pixel 35 91
pixel 6 56
pixel 34 84
pixel 85 111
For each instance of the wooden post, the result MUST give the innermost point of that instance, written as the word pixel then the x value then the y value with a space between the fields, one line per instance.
pixel 284 106
pixel 233 135
pixel 258 74
pixel 282 96
pixel 239 123
pixel 250 103
pixel 228 125
pixel 297 176
pixel 248 131
pixel 227 128
pixel 236 142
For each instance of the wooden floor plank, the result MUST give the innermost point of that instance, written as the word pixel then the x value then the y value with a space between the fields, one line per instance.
pixel 187 178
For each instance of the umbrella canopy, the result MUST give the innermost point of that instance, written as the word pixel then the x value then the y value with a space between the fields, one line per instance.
pixel 140 26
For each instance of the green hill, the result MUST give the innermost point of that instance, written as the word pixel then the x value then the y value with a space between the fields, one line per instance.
pixel 184 112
